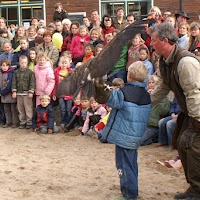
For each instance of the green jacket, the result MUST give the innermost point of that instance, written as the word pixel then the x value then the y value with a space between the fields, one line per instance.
pixel 121 63
pixel 158 111
pixel 23 81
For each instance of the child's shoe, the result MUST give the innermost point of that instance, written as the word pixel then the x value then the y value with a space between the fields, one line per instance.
pixel 28 126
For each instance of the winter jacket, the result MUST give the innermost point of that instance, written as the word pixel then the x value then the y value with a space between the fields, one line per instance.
pixel 60 15
pixel 128 119
pixel 15 60
pixel 99 113
pixel 158 112
pixel 58 79
pixel 51 52
pixel 45 79
pixel 94 43
pixel 23 81
pixel 43 116
pixel 5 86
pixel 77 46
pixel 9 56
pixel 67 43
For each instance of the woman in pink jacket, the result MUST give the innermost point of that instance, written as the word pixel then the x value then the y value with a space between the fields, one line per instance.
pixel 44 76
pixel 77 46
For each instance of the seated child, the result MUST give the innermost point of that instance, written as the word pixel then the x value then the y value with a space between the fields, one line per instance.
pixel 151 82
pixel 95 113
pixel 85 103
pixel 75 114
pixel 44 117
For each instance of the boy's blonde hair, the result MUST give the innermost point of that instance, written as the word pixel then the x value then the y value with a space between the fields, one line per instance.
pixel 138 70
pixel 62 59
pixel 44 97
pixel 23 57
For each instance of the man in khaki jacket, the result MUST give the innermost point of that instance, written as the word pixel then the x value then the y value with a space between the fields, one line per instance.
pixel 180 72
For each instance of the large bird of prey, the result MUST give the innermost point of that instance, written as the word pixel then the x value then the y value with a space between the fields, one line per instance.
pixel 83 78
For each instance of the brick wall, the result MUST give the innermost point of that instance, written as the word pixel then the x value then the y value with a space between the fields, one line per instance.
pixel 71 6
pixel 192 7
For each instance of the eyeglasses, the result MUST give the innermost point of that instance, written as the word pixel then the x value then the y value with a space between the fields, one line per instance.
pixel 107 20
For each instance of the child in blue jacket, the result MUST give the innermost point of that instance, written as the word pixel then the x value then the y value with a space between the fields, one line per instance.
pixel 126 125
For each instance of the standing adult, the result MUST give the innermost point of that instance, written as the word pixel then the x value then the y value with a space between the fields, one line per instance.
pixel 74 31
pixel 119 22
pixel 180 72
pixel 194 41
pixel 66 27
pixel 95 19
pixel 181 17
pixel 130 18
pixel 49 49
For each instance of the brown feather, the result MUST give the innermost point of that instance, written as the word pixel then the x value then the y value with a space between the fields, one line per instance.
pixel 99 65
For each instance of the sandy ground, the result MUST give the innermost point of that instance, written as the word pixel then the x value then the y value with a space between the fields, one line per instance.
pixel 74 167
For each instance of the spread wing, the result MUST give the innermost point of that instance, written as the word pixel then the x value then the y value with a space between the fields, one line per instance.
pixel 80 77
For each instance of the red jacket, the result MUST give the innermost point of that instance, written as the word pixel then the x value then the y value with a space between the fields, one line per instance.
pixel 58 79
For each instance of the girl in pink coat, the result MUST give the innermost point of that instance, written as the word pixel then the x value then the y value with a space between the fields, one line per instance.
pixel 77 46
pixel 44 76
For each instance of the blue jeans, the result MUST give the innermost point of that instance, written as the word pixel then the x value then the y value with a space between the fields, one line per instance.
pixel 127 167
pixel 122 73
pixel 148 135
pixel 65 110
pixel 43 129
pixel 170 126
pixel 162 135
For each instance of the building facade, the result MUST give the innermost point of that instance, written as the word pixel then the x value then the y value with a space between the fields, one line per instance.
pixel 21 11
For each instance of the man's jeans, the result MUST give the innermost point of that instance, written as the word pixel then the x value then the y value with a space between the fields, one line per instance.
pixel 127 167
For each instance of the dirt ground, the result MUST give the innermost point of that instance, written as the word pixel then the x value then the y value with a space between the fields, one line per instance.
pixel 74 167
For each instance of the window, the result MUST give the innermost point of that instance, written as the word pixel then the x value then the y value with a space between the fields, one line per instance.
pixel 139 8
pixel 20 11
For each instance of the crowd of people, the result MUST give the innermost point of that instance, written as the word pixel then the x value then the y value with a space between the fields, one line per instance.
pixel 33 64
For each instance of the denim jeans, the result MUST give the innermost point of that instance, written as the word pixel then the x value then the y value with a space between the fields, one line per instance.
pixel 122 73
pixel 43 129
pixel 148 135
pixel 65 110
pixel 127 167
pixel 162 134
pixel 170 126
